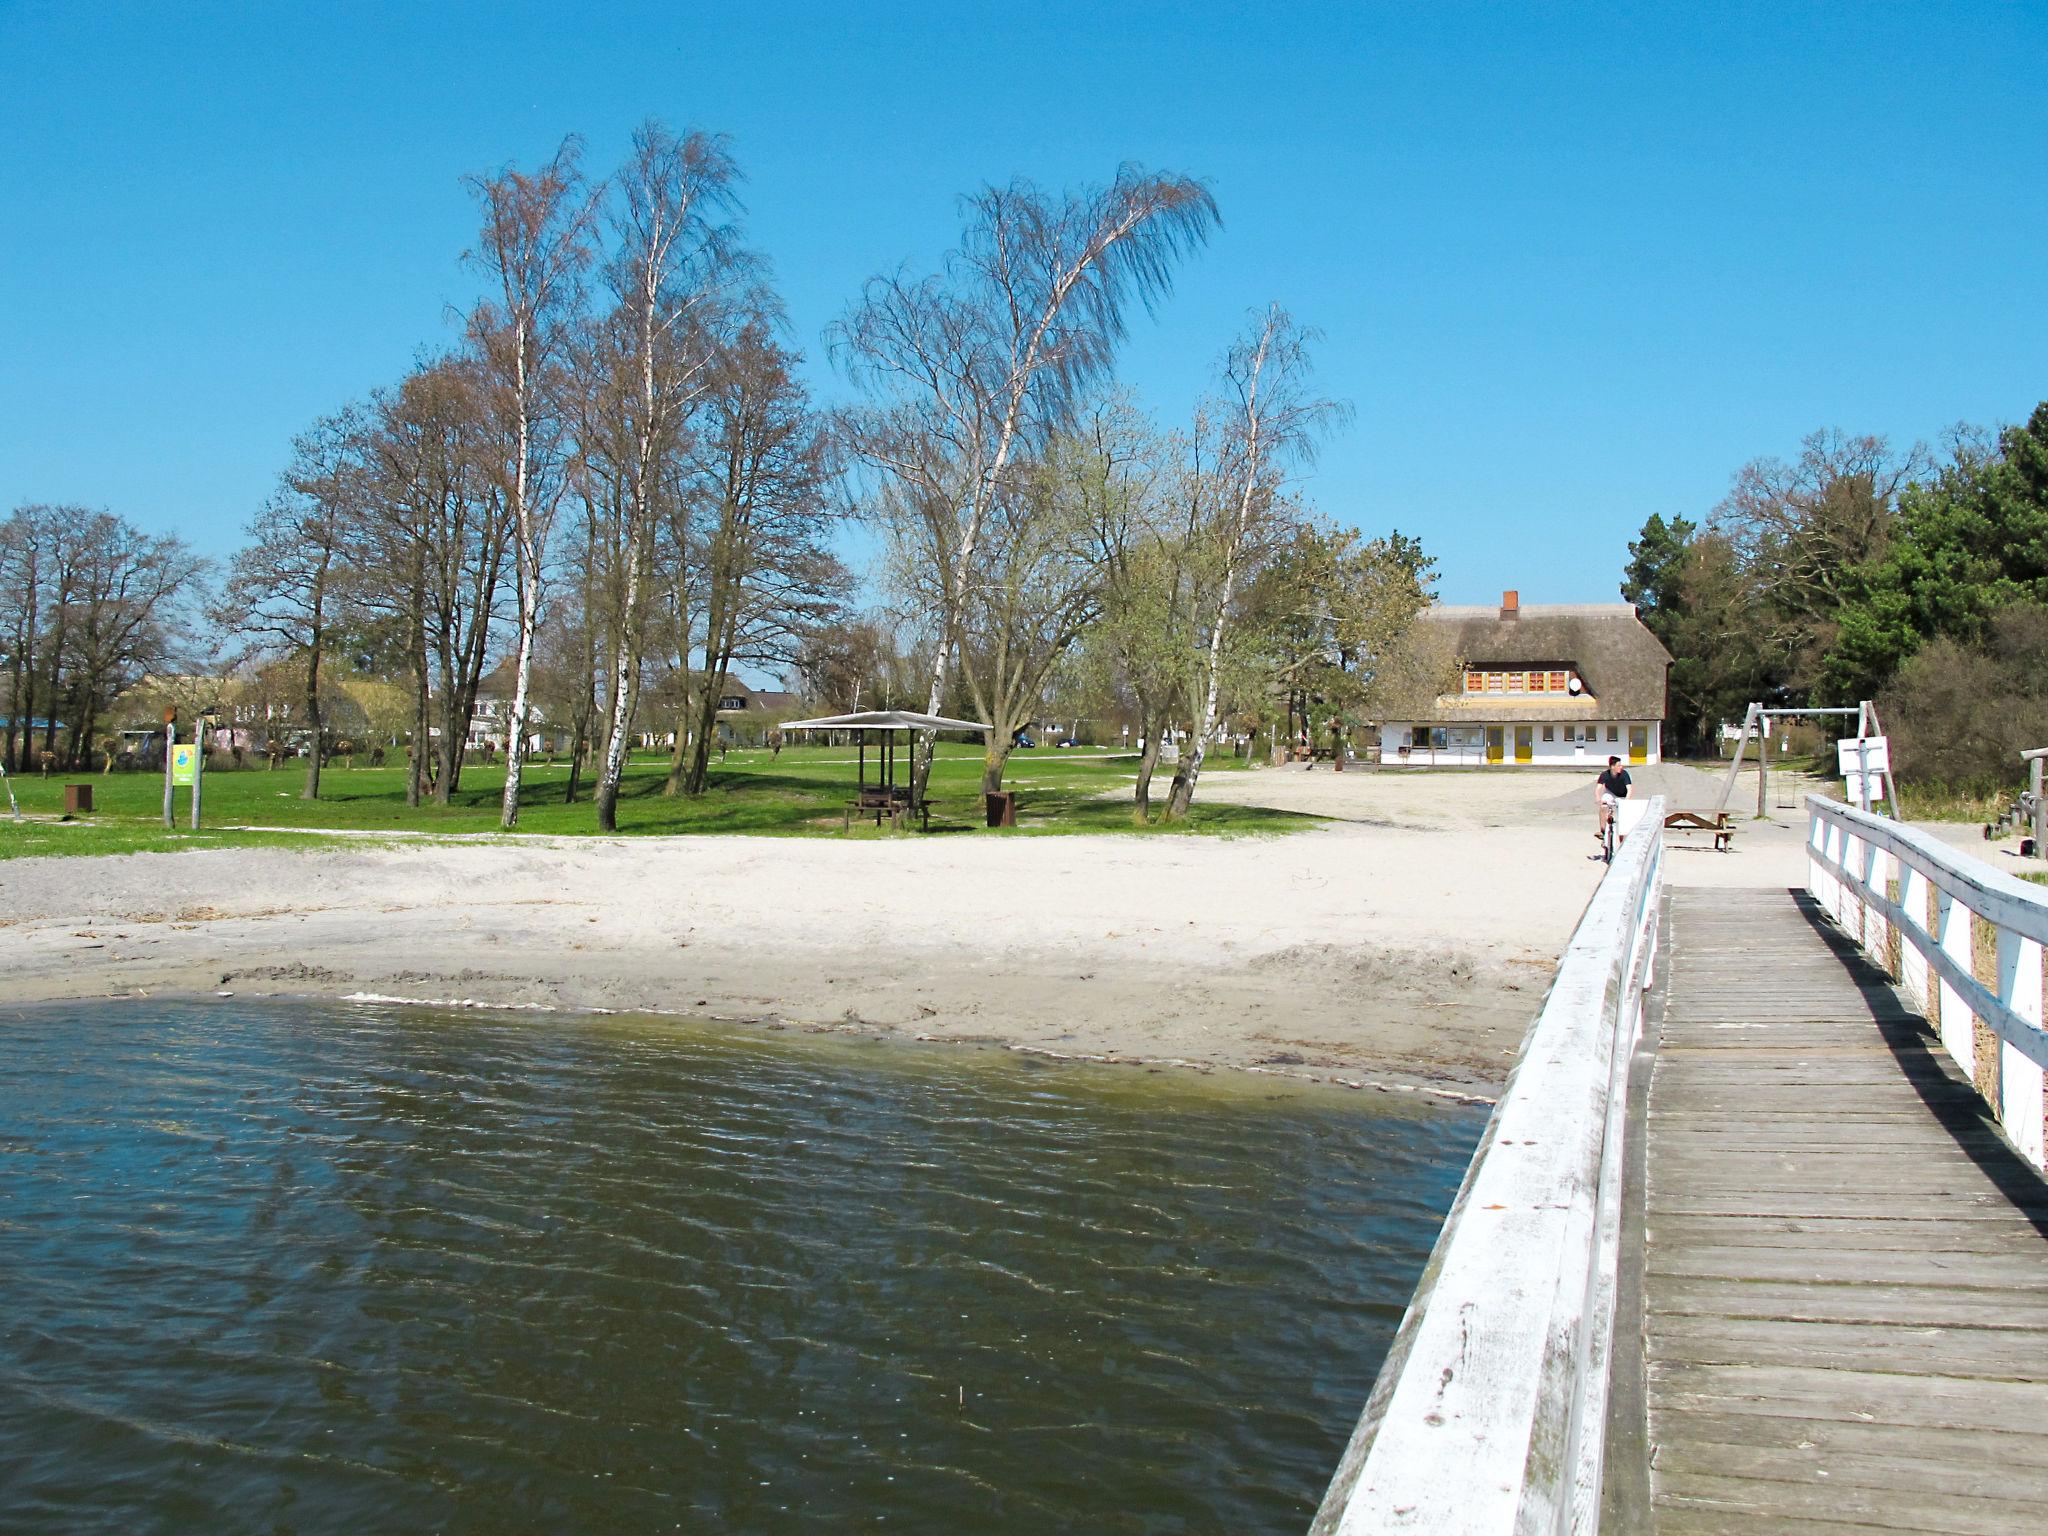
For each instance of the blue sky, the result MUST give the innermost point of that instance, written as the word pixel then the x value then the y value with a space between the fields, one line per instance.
pixel 1572 265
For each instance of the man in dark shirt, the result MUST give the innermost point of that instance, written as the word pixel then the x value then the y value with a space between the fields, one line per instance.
pixel 1611 790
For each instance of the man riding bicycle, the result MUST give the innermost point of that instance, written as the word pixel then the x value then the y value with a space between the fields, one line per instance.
pixel 1610 791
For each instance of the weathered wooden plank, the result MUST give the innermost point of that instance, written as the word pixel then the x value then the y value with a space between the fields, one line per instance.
pixel 1708 1520
pixel 1891 1509
pixel 1989 1354
pixel 1910 1305
pixel 1944 1402
pixel 1926 1234
pixel 1965 1449
pixel 1711 1202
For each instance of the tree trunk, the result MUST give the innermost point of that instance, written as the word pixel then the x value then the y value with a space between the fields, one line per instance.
pixel 1148 762
pixel 680 748
pixel 54 691
pixel 528 552
pixel 522 678
pixel 579 743
pixel 625 690
pixel 422 705
pixel 312 789
pixel 994 761
pixel 1189 769
pixel 698 778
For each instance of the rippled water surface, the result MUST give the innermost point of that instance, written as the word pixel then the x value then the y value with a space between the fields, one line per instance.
pixel 328 1268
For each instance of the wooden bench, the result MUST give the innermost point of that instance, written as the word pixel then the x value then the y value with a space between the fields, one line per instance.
pixel 1718 825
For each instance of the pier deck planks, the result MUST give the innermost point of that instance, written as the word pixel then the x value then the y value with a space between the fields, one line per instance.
pixel 1845 1278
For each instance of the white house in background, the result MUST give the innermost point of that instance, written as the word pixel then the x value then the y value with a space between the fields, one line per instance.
pixel 1559 685
pixel 746 714
pixel 492 715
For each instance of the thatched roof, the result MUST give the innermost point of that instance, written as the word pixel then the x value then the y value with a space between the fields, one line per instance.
pixel 1622 664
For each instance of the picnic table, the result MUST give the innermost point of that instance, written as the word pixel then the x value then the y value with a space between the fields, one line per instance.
pixel 887 802
pixel 1719 825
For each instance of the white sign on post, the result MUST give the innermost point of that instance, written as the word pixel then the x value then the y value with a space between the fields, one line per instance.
pixel 1858 754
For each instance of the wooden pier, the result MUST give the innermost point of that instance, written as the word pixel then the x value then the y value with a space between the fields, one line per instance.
pixel 1843 1296
pixel 1757 1238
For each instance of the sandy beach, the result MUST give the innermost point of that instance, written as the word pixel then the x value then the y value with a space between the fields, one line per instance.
pixel 1406 945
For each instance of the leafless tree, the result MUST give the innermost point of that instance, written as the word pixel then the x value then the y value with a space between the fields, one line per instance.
pixel 763 487
pixel 1803 529
pixel 88 603
pixel 437 544
pixel 289 587
pixel 669 276
pixel 1274 427
pixel 1036 584
pixel 981 363
pixel 534 246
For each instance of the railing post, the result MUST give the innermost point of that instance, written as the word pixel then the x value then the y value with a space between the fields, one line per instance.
pixel 1876 882
pixel 2019 1079
pixel 1913 969
pixel 1956 1023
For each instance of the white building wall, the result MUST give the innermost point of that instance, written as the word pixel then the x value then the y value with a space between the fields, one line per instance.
pixel 1465 746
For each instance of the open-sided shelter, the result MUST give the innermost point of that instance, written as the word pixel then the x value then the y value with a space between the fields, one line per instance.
pixel 885 798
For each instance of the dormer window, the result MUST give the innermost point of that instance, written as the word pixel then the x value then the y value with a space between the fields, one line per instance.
pixel 1487 680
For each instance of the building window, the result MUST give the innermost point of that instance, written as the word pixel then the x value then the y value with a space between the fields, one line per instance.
pixel 1550 733
pixel 1487 680
pixel 1614 733
pixel 1439 738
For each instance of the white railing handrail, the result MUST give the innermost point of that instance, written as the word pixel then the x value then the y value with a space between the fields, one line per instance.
pixel 1912 900
pixel 1489 1414
pixel 2012 904
pixel 2005 899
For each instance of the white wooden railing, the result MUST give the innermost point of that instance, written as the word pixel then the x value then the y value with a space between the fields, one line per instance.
pixel 1962 939
pixel 1489 1415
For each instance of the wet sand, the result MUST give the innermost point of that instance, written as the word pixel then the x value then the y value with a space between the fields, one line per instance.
pixel 1405 946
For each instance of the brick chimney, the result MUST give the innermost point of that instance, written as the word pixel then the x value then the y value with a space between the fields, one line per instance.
pixel 1511 604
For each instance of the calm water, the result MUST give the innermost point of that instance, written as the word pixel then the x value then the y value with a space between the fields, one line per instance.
pixel 288 1268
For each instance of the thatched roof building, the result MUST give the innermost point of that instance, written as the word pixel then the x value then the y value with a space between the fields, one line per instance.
pixel 1548 683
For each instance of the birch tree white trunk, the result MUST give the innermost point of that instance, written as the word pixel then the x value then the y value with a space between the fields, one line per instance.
pixel 1265 375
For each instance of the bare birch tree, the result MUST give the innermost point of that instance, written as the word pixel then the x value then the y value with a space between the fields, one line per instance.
pixel 534 247
pixel 673 262
pixel 1274 427
pixel 982 362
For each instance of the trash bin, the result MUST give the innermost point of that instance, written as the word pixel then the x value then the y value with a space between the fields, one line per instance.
pixel 77 799
pixel 1002 808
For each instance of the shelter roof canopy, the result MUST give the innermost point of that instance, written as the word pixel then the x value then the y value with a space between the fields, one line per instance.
pixel 884 720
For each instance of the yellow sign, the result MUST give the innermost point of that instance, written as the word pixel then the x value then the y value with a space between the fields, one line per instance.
pixel 185 763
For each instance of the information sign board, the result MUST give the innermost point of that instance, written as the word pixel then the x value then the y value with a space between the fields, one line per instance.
pixel 184 762
pixel 1875 756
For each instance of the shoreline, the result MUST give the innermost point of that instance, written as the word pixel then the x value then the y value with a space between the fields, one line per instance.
pixel 1380 957
pixel 1403 946
pixel 1392 1082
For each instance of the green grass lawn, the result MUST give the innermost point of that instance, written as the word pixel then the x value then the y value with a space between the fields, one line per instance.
pixel 800 793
